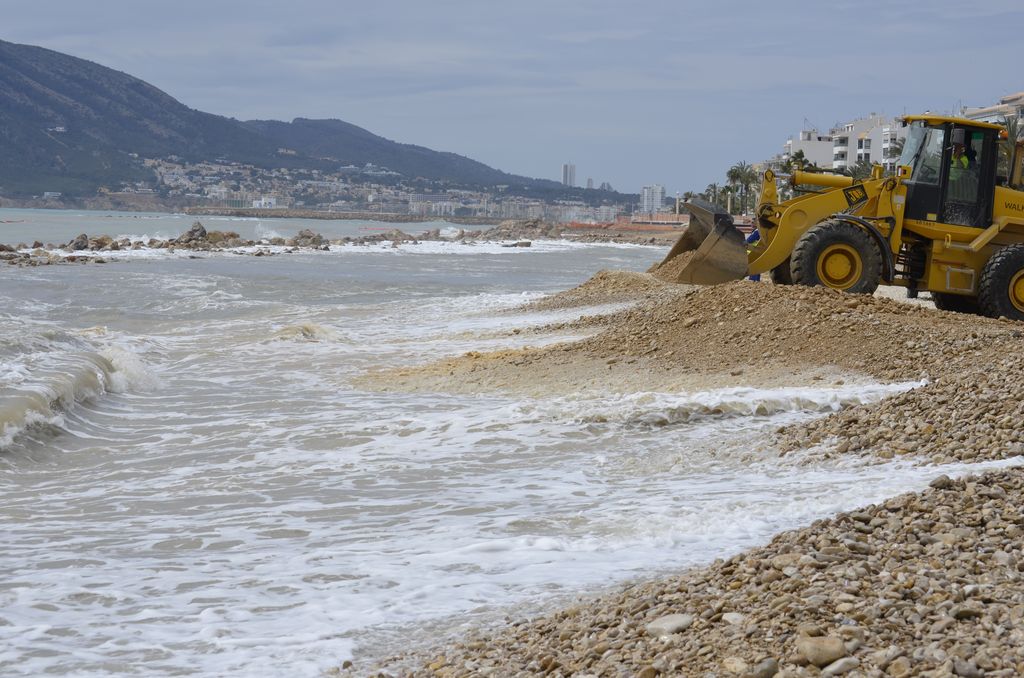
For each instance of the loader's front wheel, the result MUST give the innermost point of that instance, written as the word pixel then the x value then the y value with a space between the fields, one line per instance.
pixel 837 255
pixel 1001 291
pixel 781 275
pixel 957 303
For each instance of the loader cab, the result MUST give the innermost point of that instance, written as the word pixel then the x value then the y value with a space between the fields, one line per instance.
pixel 952 171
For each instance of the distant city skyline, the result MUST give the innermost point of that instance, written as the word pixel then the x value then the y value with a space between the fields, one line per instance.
pixel 569 174
pixel 522 86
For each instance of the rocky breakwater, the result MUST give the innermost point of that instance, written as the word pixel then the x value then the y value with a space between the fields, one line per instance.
pixel 521 233
pixel 84 248
pixel 926 584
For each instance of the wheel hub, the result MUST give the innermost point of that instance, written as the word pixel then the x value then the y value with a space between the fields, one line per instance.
pixel 1017 291
pixel 840 266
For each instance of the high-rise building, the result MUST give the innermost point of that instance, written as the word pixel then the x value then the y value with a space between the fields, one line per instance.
pixel 652 198
pixel 590 183
pixel 569 174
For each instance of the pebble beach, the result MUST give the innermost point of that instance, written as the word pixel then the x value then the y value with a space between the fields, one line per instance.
pixel 924 584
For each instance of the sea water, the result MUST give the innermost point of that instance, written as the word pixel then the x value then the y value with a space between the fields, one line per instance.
pixel 190 484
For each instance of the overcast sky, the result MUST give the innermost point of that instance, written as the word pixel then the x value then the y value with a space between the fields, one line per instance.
pixel 670 91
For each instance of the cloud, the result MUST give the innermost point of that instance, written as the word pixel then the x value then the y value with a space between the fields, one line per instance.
pixel 599 36
pixel 657 91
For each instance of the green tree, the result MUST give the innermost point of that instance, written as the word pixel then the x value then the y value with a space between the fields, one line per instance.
pixel 1014 134
pixel 862 170
pixel 799 160
pixel 726 196
pixel 733 175
pixel 748 178
pixel 711 193
pixel 896 148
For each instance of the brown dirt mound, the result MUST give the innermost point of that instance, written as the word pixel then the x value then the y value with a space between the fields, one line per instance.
pixel 669 271
pixel 606 287
pixel 743 333
pixel 747 324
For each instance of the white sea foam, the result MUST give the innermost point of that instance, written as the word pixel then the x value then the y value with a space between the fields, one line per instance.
pixel 265 232
pixel 661 409
pixel 470 248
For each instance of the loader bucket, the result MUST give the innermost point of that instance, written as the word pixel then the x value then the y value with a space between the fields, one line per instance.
pixel 719 253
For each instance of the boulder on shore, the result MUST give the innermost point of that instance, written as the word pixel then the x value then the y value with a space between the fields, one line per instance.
pixel 306 238
pixel 196 233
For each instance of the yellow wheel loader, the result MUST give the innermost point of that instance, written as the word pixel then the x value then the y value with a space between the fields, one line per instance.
pixel 946 223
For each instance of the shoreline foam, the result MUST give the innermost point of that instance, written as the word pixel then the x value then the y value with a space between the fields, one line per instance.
pixel 926 583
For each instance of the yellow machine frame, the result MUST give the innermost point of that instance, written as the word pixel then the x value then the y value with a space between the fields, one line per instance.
pixel 918 250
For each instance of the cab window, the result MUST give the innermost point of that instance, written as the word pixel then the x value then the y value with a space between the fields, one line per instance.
pixel 923 153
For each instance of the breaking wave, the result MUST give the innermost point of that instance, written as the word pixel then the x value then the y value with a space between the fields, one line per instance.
pixel 44 372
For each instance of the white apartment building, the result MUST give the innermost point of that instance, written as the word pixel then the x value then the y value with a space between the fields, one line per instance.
pixel 1010 106
pixel 816 147
pixel 432 204
pixel 870 139
pixel 652 198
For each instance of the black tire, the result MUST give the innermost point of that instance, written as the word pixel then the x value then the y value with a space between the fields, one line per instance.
pixel 1001 291
pixel 781 275
pixel 956 303
pixel 839 255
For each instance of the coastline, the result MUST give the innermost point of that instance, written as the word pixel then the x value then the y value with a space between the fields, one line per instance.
pixel 288 213
pixel 926 583
pixel 509 233
pixel 917 585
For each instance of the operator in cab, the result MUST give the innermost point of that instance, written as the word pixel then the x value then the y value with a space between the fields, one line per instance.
pixel 959 160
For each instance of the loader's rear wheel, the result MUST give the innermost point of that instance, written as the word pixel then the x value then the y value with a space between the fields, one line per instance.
pixel 781 275
pixel 837 255
pixel 1001 291
pixel 957 303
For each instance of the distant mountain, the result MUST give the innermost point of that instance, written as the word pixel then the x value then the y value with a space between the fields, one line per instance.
pixel 344 143
pixel 71 125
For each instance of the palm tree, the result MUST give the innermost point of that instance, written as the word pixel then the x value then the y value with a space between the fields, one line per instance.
pixel 862 170
pixel 1014 134
pixel 748 177
pixel 725 194
pixel 734 174
pixel 896 148
pixel 711 193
